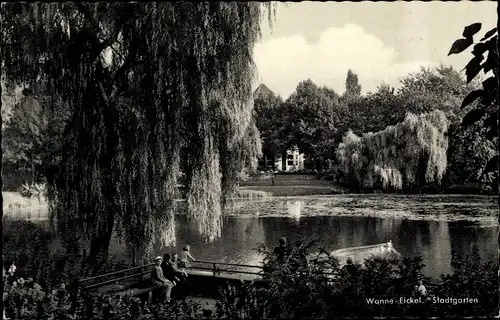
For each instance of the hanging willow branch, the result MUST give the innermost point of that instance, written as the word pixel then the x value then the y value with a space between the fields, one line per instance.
pixel 153 88
pixel 394 156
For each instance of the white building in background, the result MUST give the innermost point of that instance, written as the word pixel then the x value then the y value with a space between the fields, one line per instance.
pixel 293 161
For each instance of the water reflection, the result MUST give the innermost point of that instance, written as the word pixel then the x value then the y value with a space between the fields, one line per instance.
pixel 293 209
pixel 318 218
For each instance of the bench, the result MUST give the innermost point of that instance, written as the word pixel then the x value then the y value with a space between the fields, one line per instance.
pixel 118 287
pixel 139 292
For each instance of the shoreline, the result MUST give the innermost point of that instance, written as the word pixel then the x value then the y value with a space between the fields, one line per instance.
pixel 318 190
pixel 17 207
pixel 299 184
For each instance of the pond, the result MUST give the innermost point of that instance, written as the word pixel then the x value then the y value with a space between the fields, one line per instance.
pixel 429 226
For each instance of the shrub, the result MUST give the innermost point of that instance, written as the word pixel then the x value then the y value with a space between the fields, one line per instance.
pixel 28 244
pixel 321 289
pixel 470 279
pixel 25 299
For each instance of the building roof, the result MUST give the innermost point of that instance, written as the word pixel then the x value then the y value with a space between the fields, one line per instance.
pixel 262 90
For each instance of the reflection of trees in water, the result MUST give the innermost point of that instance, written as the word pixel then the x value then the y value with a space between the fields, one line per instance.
pixel 438 247
pixel 275 228
pixel 240 237
pixel 410 238
pixel 383 230
pixel 244 230
pixel 429 239
pixel 465 235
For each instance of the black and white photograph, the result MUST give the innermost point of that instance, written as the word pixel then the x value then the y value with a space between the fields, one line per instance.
pixel 249 160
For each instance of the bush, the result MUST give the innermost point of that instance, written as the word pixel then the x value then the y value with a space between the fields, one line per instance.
pixel 25 299
pixel 321 289
pixel 28 245
pixel 42 283
pixel 470 279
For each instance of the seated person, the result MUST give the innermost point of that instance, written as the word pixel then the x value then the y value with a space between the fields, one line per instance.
pixel 422 291
pixel 175 260
pixel 160 282
pixel 168 269
pixel 185 257
pixel 173 273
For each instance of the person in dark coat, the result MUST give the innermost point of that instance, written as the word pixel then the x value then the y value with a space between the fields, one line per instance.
pixel 281 250
pixel 174 274
pixel 349 269
pixel 160 282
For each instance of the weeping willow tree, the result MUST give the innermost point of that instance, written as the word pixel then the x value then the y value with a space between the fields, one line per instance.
pixel 152 89
pixel 408 153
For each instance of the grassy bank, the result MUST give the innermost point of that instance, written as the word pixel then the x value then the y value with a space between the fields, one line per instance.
pixel 298 190
pixel 289 185
pixel 309 184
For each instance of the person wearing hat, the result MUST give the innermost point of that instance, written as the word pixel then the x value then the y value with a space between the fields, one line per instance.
pixel 159 282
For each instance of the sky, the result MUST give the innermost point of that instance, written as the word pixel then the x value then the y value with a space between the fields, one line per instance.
pixel 380 41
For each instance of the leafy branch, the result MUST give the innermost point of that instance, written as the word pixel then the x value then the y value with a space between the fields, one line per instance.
pixel 485 100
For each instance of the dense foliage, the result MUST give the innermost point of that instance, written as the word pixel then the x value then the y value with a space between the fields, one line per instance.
pixel 133 125
pixel 484 101
pixel 311 114
pixel 23 138
pixel 11 96
pixel 316 118
pixel 33 248
pixel 309 119
pixel 268 117
pixel 305 292
pixel 26 299
pixel 411 152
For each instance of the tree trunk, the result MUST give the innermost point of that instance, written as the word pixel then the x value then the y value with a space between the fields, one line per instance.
pixel 134 259
pixel 421 171
pixel 99 247
pixel 284 161
pixel 32 172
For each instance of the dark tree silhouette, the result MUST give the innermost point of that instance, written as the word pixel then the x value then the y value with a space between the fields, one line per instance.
pixel 352 87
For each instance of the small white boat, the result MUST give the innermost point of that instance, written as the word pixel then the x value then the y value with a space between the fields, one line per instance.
pixel 361 253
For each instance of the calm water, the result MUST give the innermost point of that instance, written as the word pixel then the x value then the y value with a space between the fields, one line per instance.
pixel 429 226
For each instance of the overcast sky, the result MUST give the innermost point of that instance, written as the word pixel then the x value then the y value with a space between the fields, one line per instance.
pixel 380 42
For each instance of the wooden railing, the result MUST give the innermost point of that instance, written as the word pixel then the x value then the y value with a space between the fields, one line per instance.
pixel 217 270
pixel 140 271
pixel 215 267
